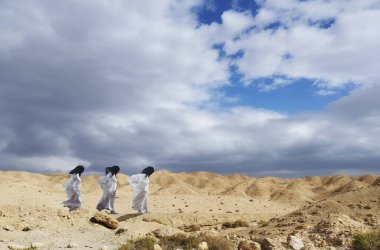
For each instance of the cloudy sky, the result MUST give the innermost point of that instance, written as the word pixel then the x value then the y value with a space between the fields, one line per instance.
pixel 265 87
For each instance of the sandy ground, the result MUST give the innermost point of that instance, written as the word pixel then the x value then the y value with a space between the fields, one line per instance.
pixel 31 210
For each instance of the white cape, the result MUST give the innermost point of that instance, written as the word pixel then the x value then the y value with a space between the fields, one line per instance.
pixel 72 188
pixel 140 185
pixel 108 184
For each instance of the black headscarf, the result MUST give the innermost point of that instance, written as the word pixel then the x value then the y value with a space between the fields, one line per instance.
pixel 148 171
pixel 114 170
pixel 78 170
pixel 108 169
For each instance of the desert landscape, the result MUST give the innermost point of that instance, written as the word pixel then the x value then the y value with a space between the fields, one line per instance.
pixel 272 213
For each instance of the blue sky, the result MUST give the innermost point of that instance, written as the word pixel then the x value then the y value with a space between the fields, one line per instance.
pixel 299 96
pixel 265 87
pixel 293 99
pixel 211 11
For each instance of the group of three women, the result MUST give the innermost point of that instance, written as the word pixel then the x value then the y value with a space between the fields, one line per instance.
pixel 108 183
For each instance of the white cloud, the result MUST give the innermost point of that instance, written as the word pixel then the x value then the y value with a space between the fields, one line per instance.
pixel 276 83
pixel 324 92
pixel 341 55
pixel 135 83
pixel 41 164
pixel 233 23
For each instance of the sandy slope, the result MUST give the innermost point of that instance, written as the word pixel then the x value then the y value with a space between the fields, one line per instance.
pixel 177 201
pixel 332 221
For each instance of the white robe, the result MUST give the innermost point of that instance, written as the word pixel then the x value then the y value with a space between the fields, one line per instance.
pixel 109 185
pixel 72 188
pixel 140 185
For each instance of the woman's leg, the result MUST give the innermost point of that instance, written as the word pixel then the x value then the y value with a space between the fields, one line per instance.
pixel 145 205
pixel 74 202
pixel 112 202
pixel 138 201
pixel 104 203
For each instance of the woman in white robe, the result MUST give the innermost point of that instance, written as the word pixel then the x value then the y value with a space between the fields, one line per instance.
pixel 102 181
pixel 109 185
pixel 140 186
pixel 72 188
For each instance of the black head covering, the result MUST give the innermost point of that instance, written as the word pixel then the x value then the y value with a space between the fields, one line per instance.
pixel 114 170
pixel 108 169
pixel 78 170
pixel 148 171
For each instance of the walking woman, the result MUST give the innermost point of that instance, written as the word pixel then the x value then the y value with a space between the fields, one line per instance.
pixel 109 185
pixel 140 185
pixel 102 181
pixel 72 188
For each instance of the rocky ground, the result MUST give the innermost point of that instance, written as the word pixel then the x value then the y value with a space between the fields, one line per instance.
pixel 304 213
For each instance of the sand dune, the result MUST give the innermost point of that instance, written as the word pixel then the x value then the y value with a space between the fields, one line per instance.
pixel 267 188
pixel 179 200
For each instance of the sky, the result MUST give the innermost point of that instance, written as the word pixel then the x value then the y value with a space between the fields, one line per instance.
pixel 284 88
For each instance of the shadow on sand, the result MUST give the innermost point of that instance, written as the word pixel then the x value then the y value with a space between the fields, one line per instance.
pixel 127 217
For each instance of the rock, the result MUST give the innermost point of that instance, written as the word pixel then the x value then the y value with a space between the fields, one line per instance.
pixel 268 244
pixel 8 228
pixel 309 247
pixel 295 242
pixel 130 235
pixel 26 229
pixel 163 232
pixel 370 220
pixel 255 245
pixel 72 245
pixel 277 243
pixel 121 230
pixel 317 240
pixel 37 244
pixel 15 246
pixel 210 233
pixel 203 246
pixel 336 223
pixel 244 245
pixel 157 247
pixel 249 245
pixel 105 220
pixel 104 248
pixel 336 230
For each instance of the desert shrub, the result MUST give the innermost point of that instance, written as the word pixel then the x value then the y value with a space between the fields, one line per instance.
pixel 217 243
pixel 258 240
pixel 238 223
pixel 179 240
pixel 367 241
pixel 191 228
pixel 227 225
pixel 143 243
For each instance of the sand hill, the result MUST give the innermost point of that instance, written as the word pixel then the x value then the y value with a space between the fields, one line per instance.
pixel 317 209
